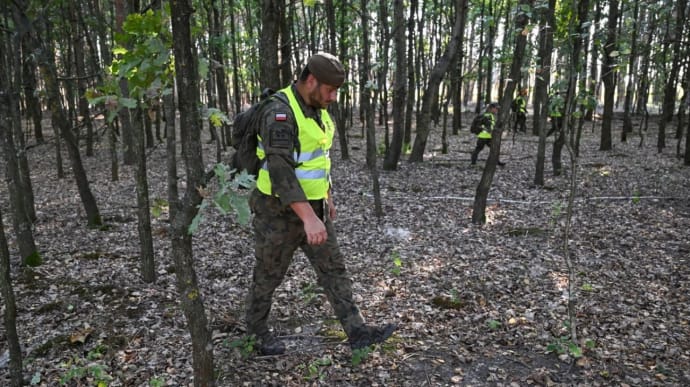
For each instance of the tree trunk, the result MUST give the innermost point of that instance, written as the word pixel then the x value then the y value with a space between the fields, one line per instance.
pixel 542 82
pixel 368 111
pixel 268 43
pixel 186 73
pixel 670 89
pixel 124 115
pixel 482 194
pixel 33 104
pixel 435 78
pixel 219 70
pixel 80 65
pixel 10 315
pixel 25 186
pixel 608 69
pixel 20 219
pixel 147 264
pixel 627 105
pixel 411 75
pixel 399 90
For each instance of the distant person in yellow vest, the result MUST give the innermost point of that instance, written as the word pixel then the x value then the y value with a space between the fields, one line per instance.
pixel 294 208
pixel 519 106
pixel 488 123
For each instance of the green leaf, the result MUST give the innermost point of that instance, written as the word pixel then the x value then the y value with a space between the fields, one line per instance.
pixel 127 102
pixel 575 350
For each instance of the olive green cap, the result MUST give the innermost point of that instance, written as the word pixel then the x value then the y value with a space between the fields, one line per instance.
pixel 327 69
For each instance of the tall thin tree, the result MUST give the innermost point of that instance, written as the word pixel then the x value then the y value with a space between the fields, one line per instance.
pixel 183 210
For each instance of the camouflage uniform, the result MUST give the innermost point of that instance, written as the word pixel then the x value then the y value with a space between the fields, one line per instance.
pixel 279 231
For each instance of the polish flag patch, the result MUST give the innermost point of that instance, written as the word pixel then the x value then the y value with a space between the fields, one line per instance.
pixel 281 117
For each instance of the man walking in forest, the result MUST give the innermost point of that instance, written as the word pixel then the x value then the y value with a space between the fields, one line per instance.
pixel 519 106
pixel 293 205
pixel 488 123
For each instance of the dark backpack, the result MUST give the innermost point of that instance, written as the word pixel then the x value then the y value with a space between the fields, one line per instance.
pixel 514 105
pixel 477 124
pixel 244 131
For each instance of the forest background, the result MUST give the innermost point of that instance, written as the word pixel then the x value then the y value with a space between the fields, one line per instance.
pixel 103 282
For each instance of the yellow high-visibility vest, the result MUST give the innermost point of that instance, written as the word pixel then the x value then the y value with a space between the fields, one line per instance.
pixel 313 162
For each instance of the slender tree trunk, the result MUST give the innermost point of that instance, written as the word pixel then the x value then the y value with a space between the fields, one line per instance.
pixel 482 194
pixel 542 82
pixel 399 92
pixel 368 111
pixel 25 186
pixel 10 315
pixel 147 264
pixel 80 65
pixel 185 209
pixel 632 77
pixel 33 104
pixel 670 89
pixel 608 69
pixel 411 75
pixel 435 78
pixel 45 60
pixel 20 219
pixel 50 79
pixel 219 69
pixel 268 44
pixel 124 115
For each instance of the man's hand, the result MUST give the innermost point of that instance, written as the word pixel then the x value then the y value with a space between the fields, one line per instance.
pixel 314 228
pixel 316 231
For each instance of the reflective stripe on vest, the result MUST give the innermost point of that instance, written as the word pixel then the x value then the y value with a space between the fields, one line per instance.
pixel 487 133
pixel 313 162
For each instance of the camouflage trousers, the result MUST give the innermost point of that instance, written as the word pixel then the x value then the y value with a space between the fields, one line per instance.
pixel 278 233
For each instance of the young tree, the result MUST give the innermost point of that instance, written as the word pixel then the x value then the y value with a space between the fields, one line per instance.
pixel 368 111
pixel 482 193
pixel 183 210
pixel 399 89
pixel 10 315
pixel 9 114
pixel 541 99
pixel 671 84
pixel 435 78
pixel 43 51
pixel 608 73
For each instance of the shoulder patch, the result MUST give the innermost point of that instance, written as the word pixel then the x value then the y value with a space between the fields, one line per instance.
pixel 281 116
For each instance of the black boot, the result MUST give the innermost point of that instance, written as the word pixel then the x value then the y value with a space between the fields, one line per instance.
pixel 367 335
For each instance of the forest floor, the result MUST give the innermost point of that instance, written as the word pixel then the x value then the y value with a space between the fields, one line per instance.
pixel 476 305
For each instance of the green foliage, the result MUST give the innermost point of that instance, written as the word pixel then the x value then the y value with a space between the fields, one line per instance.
pixel 36 378
pixel 493 324
pixel 245 345
pixel 78 372
pixel 217 118
pixel 142 57
pixel 563 345
pixel 636 197
pixel 407 148
pixel 232 195
pixel 315 369
pixel 360 354
pixel 34 259
pixel 309 292
pixel 159 206
pixel 397 263
pixel 156 381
